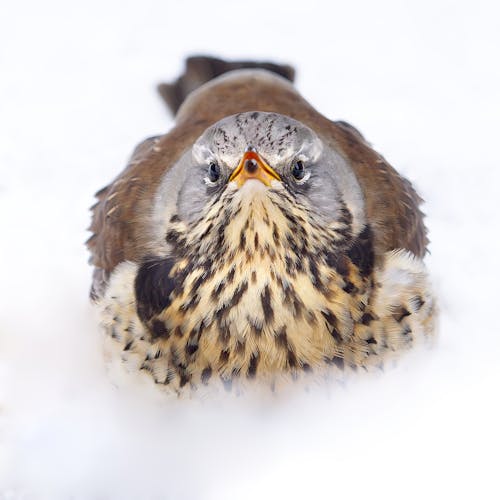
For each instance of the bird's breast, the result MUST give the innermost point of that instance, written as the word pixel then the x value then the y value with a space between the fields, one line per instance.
pixel 267 302
pixel 259 322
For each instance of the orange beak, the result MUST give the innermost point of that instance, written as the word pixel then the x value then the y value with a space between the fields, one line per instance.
pixel 252 166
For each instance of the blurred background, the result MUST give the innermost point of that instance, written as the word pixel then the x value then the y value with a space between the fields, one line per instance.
pixel 420 80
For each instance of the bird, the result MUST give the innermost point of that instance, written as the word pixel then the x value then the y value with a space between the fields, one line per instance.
pixel 257 242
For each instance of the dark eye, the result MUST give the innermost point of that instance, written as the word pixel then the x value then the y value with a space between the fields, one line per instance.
pixel 298 169
pixel 213 172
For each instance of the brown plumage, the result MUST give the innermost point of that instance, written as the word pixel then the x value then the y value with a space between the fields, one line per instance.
pixel 120 227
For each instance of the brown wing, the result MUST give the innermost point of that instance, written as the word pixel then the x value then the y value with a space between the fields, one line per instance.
pixel 117 214
pixel 112 216
pixel 392 204
pixel 118 217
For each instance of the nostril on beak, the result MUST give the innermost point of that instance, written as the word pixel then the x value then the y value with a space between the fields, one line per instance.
pixel 251 166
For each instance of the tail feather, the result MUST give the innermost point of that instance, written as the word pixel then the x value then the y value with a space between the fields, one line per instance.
pixel 202 69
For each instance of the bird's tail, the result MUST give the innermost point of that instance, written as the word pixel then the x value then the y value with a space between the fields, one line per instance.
pixel 201 69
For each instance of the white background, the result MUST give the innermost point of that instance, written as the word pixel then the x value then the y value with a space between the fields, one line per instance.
pixel 420 80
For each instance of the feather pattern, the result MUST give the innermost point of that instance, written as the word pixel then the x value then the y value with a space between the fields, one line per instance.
pixel 257 286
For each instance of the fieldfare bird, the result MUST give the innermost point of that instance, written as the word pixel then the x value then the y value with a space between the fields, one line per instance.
pixel 257 242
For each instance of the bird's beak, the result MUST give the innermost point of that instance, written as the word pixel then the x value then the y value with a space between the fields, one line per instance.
pixel 252 166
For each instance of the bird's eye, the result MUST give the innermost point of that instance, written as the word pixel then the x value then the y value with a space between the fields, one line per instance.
pixel 298 170
pixel 213 172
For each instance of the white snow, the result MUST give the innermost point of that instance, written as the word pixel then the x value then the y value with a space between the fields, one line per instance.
pixel 421 80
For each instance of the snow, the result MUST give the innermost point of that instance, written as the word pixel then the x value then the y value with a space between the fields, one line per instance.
pixel 420 80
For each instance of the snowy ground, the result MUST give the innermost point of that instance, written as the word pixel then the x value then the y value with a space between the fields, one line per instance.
pixel 421 81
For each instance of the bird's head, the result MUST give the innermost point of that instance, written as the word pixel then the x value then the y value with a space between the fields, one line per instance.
pixel 253 170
